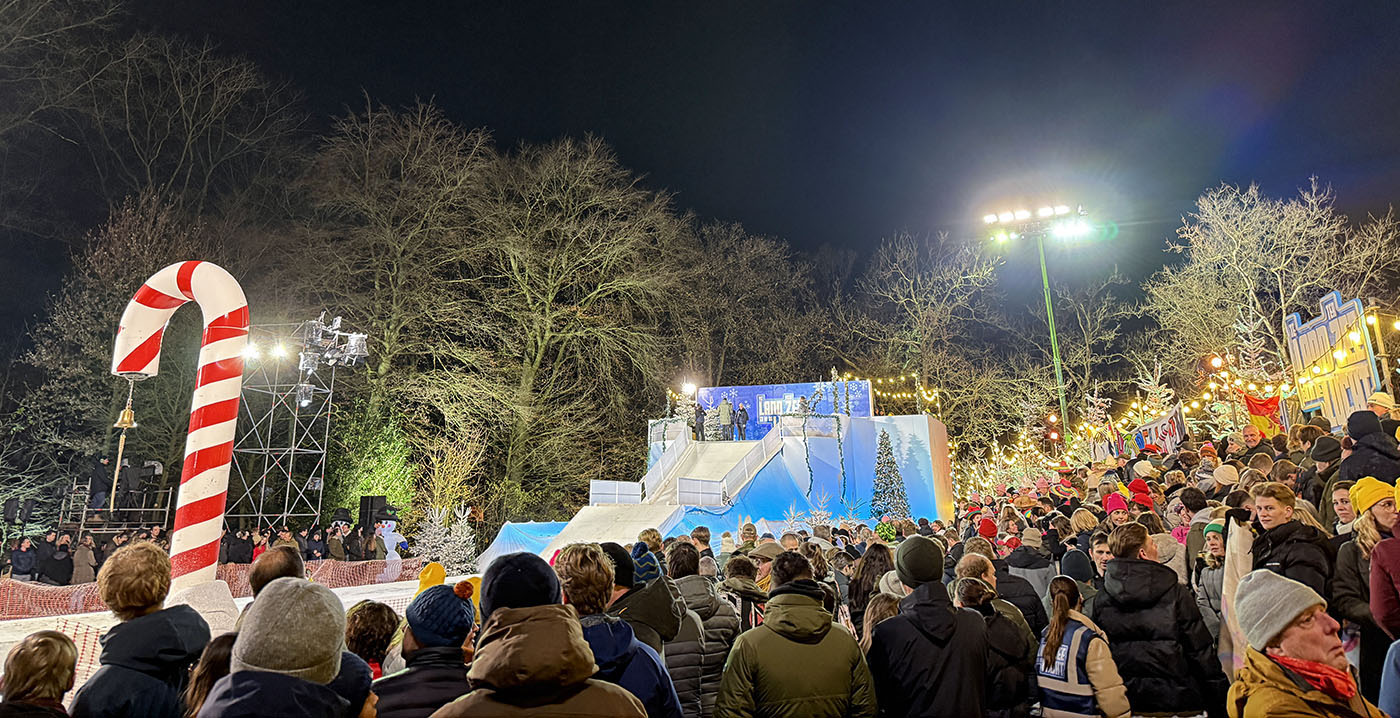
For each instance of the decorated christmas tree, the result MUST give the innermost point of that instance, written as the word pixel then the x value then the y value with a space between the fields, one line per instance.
pixel 459 556
pixel 889 499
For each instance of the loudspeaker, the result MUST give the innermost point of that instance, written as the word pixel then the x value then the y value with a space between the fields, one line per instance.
pixel 370 509
pixel 12 511
pixel 27 515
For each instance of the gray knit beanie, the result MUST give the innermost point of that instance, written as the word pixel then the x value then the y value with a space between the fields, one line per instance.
pixel 1267 602
pixel 294 627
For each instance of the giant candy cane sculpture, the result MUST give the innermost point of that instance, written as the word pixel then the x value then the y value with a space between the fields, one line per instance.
pixel 199 509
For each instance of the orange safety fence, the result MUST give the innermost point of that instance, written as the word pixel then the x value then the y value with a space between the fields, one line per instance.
pixel 32 600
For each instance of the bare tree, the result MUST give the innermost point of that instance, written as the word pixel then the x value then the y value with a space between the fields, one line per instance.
pixel 42 45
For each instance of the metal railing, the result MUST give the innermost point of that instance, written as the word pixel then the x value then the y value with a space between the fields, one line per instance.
pixel 658 471
pixel 760 454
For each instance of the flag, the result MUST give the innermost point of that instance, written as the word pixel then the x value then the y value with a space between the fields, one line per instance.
pixel 1264 414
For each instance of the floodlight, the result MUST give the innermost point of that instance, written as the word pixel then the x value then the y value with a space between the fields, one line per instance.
pixel 1061 209
pixel 250 351
pixel 1070 229
pixel 990 219
pixel 1006 217
pixel 1000 237
pixel 279 351
pixel 1023 214
pixel 688 389
pixel 1044 212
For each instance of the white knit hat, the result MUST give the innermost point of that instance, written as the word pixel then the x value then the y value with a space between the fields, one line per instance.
pixel 1267 602
pixel 294 627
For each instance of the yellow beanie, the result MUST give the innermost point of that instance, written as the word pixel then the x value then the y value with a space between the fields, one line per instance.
pixel 432 574
pixel 1367 492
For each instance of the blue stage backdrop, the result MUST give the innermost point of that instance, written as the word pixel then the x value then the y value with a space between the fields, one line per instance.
pixel 766 402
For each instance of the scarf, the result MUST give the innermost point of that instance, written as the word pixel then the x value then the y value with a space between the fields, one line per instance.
pixel 765 583
pixel 1335 682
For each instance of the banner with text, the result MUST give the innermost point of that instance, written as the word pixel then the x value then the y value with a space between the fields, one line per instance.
pixel 764 403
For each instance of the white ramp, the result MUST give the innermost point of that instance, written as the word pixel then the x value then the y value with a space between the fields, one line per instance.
pixel 619 523
pixel 711 460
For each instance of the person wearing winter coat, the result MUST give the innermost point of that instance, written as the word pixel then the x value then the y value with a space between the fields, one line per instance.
pixel 1375 452
pixel 1158 639
pixel 1284 544
pixel 84 561
pixel 288 657
pixel 1022 594
pixel 1170 553
pixel 685 658
pixel 531 657
pixel 1078 566
pixel 22 560
pixel 1075 672
pixel 654 610
pixel 1031 561
pixel 440 622
pixel 1010 654
pixel 57 568
pixel 799 663
pixel 930 658
pixel 1294 663
pixel 739 590
pixel 1210 578
pixel 146 658
pixel 718 617
pixel 1327 457
pixel 1363 590
pixel 586 578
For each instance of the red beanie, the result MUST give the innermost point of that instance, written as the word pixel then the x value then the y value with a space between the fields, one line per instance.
pixel 1143 500
pixel 1138 486
pixel 987 529
pixel 1114 502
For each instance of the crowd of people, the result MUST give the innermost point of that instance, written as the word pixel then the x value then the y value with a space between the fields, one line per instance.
pixel 1257 579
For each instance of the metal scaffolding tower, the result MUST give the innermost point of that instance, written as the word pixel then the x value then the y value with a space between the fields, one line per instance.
pixel 279 457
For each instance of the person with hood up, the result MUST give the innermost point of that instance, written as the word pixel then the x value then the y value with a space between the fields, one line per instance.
pixel 1294 664
pixel 931 658
pixel 718 618
pixel 1375 452
pixel 653 610
pixel 1284 544
pixel 531 657
pixel 1031 561
pixel 146 658
pixel 290 646
pixel 799 663
pixel 1075 672
pixel 586 578
pixel 1010 654
pixel 739 590
pixel 57 568
pixel 1158 639
pixel 440 622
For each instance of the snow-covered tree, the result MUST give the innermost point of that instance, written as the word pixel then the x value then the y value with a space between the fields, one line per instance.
pixel 1157 397
pixel 433 535
pixel 889 499
pixel 459 556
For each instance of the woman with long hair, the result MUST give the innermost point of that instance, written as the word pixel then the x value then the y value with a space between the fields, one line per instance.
pixel 1074 680
pixel 1374 503
pixel 874 563
pixel 213 664
pixel 881 606
pixel 1084 523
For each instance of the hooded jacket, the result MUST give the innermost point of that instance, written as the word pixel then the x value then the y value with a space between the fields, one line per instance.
pixel 1298 551
pixel 930 659
pixel 624 661
pixel 654 611
pixel 1020 593
pixel 1163 651
pixel 535 662
pixel 1375 453
pixel 747 599
pixel 259 694
pixel 1264 689
pixel 798 664
pixel 57 569
pixel 1171 554
pixel 1033 565
pixel 145 665
pixel 433 678
pixel 721 624
pixel 1010 665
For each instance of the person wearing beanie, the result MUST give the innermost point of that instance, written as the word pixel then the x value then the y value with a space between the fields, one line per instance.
pixel 1294 663
pixel 586 576
pixel 1117 509
pixel 1138 486
pixel 987 529
pixel 646 565
pixel 1139 503
pixel 355 684
pixel 929 631
pixel 1359 570
pixel 531 657
pixel 799 662
pixel 290 646
pixel 654 610
pixel 146 658
pixel 1375 452
pixel 440 622
pixel 1164 653
pixel 1031 561
pixel 1210 578
pixel 1326 456
pixel 1077 565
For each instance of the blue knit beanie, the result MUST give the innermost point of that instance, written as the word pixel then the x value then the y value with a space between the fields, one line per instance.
pixel 647 569
pixel 518 580
pixel 442 615
pixel 352 682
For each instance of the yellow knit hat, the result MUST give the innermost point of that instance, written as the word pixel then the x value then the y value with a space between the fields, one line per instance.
pixel 432 574
pixel 1367 492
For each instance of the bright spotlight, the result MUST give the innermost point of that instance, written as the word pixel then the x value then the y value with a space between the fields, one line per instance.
pixel 1023 214
pixel 1216 362
pixel 1044 212
pixel 279 351
pixel 250 351
pixel 1070 229
pixel 1061 209
pixel 1006 217
pixel 1001 237
pixel 990 219
pixel 688 389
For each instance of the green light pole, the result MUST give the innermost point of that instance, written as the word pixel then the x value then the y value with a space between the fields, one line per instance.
pixel 1059 221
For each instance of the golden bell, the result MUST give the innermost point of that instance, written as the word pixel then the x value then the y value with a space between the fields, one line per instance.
pixel 127 420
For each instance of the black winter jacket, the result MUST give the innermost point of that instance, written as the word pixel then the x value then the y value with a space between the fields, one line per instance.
pixel 1010 665
pixel 1298 551
pixel 434 677
pixel 145 665
pixel 1375 454
pixel 930 659
pixel 1020 593
pixel 1163 650
pixel 259 694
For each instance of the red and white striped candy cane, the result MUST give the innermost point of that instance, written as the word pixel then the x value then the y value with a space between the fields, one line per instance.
pixel 199 509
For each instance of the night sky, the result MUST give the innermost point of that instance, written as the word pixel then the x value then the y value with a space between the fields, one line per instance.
pixel 840 123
